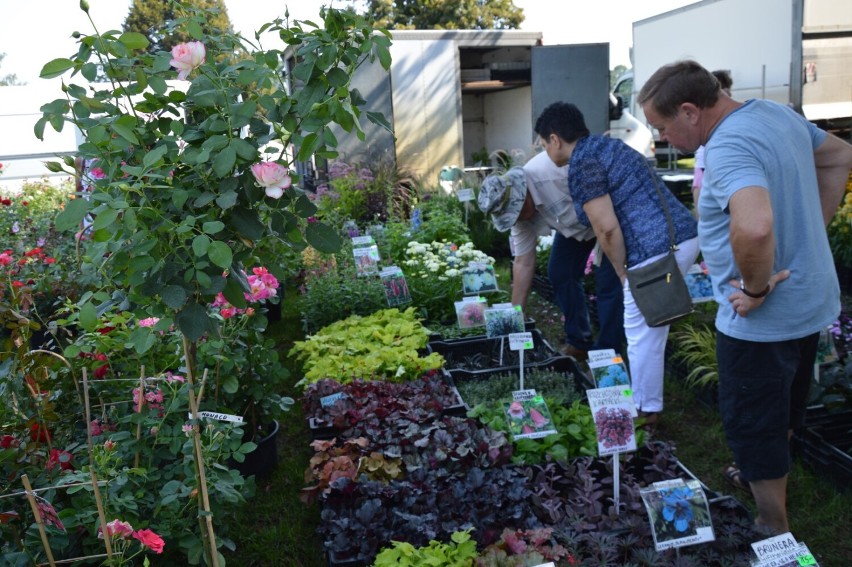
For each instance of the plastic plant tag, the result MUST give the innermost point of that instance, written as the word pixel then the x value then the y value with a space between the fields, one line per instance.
pixel 609 372
pixel 361 241
pixel 520 341
pixel 366 260
pixel 219 416
pixel 465 194
pixel 502 321
pixel 396 288
pixel 782 551
pixel 601 354
pixel 470 312
pixel 678 513
pixel 329 400
pixel 699 285
pixel 478 277
pixel 528 415
pixel 613 413
pixel 826 351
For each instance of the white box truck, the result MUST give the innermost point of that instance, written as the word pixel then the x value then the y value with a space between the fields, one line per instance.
pixel 796 52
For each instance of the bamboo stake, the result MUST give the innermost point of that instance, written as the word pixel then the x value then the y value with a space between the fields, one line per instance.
pixel 205 498
pixel 139 411
pixel 46 488
pixel 39 521
pixel 95 488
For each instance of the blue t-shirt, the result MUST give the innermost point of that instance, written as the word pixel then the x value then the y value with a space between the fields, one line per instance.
pixel 768 145
pixel 600 166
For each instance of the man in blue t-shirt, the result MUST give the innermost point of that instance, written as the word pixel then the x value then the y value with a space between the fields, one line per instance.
pixel 772 182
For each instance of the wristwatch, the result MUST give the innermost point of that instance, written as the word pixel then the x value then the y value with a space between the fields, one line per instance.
pixel 763 293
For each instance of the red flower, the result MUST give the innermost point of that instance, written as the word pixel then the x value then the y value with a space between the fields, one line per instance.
pixel 7 202
pixel 37 433
pixel 33 252
pixel 101 371
pixel 17 283
pixel 150 540
pixel 50 260
pixel 8 441
pixel 24 203
pixel 106 329
pixel 62 459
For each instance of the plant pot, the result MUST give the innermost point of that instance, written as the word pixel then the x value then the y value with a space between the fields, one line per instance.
pixel 262 461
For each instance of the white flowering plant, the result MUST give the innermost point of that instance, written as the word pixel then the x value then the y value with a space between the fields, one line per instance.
pixel 195 177
pixel 434 275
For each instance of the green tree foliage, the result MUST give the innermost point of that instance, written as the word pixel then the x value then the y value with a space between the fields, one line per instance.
pixel 8 80
pixel 154 19
pixel 445 14
pixel 616 73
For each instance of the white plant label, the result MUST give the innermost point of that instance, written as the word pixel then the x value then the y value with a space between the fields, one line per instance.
pixel 520 341
pixel 465 195
pixel 219 416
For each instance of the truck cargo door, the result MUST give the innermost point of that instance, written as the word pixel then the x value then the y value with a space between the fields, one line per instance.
pixel 578 74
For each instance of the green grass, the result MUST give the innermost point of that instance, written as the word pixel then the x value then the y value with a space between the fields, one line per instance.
pixel 277 529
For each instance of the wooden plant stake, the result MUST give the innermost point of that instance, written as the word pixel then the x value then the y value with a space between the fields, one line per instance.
pixel 202 476
pixel 139 410
pixel 94 476
pixel 39 522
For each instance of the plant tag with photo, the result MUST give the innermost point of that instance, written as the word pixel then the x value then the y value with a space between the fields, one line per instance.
pixel 366 260
pixel 782 551
pixel 609 372
pixel 396 288
pixel 361 241
pixel 613 412
pixel 502 321
pixel 219 416
pixel 329 400
pixel 528 415
pixel 478 277
pixel 601 354
pixel 465 194
pixel 470 312
pixel 678 512
pixel 698 282
pixel 520 341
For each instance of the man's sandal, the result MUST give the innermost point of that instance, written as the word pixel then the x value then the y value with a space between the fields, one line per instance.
pixel 735 478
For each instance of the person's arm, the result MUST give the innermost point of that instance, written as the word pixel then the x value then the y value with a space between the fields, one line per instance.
pixel 605 224
pixel 833 161
pixel 752 236
pixel 523 269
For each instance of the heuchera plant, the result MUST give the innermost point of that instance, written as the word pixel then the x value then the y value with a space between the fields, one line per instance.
pixel 195 147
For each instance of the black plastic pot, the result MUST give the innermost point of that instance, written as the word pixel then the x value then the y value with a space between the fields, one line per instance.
pixel 261 462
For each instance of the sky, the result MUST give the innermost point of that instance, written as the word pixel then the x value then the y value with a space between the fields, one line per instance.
pixel 37 31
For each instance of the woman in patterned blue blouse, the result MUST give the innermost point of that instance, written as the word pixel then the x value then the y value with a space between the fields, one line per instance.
pixel 615 192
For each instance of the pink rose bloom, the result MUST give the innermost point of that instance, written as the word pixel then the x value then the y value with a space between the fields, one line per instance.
pixel 116 528
pixel 227 313
pixel 274 177
pixel 149 322
pixel 6 259
pixel 97 173
pixel 187 56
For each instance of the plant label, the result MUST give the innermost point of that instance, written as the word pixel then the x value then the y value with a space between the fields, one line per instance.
pixel 601 355
pixel 501 321
pixel 329 400
pixel 782 551
pixel 219 416
pixel 361 241
pixel 529 417
pixel 366 260
pixel 470 312
pixel 396 288
pixel 520 341
pixel 698 283
pixel 478 277
pixel 613 413
pixel 465 195
pixel 678 512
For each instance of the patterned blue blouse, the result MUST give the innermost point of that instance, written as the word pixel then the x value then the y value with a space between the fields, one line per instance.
pixel 601 165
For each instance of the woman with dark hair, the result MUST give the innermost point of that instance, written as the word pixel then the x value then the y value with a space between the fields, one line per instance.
pixel 618 195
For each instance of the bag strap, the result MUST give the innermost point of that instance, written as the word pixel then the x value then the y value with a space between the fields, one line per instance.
pixel 655 177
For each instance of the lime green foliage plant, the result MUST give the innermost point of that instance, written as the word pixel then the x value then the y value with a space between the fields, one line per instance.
pixel 695 346
pixel 460 552
pixel 383 346
pixel 840 230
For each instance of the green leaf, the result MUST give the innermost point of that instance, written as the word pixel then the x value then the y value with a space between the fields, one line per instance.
pixel 231 384
pixel 133 40
pixel 247 223
pixel 174 296
pixel 154 156
pixel 142 339
pixel 227 200
pixel 379 119
pixel 322 237
pixel 224 162
pixel 105 219
pixel 124 127
pixel 192 321
pixel 200 244
pixel 220 254
pixel 56 68
pixel 88 317
pixel 212 227
pixel 309 146
pixel 337 77
pixel 235 293
pixel 179 197
pixel 73 214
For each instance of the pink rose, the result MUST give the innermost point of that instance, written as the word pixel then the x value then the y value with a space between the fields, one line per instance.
pixel 149 322
pixel 187 56
pixel 274 177
pixel 116 528
pixel 150 540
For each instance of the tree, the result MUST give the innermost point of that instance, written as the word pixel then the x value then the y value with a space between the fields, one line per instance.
pixel 614 74
pixel 8 80
pixel 155 20
pixel 445 14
